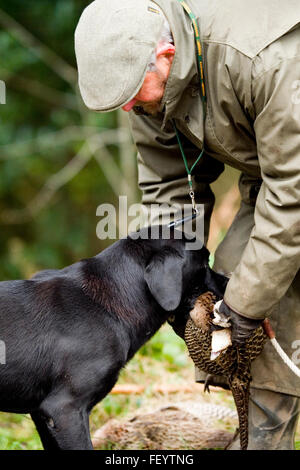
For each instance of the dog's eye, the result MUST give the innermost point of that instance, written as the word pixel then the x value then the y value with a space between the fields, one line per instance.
pixel 50 423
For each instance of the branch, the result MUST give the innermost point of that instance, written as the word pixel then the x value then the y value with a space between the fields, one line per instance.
pixel 41 91
pixel 52 185
pixel 223 216
pixel 52 139
pixel 55 62
pixel 127 155
pixel 89 149
pixel 110 169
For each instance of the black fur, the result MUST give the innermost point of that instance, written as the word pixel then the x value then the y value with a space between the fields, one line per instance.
pixel 69 332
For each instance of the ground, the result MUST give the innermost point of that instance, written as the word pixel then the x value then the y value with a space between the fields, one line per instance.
pixel 161 366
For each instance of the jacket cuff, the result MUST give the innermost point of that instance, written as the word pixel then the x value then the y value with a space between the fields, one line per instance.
pixel 234 299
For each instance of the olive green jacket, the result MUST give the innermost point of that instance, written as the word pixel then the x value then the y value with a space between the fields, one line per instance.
pixel 252 77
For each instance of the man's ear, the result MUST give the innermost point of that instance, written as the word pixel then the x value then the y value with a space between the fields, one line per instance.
pixel 165 49
pixel 164 277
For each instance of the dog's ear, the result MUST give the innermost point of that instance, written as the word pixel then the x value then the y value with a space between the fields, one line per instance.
pixel 164 276
pixel 215 282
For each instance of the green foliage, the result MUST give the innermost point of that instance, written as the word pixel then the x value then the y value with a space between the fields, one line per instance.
pixel 42 127
pixel 112 406
pixel 17 432
pixel 167 347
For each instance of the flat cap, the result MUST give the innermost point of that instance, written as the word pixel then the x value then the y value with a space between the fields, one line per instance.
pixel 114 41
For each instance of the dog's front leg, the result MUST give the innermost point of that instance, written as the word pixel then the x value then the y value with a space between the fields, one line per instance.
pixel 62 426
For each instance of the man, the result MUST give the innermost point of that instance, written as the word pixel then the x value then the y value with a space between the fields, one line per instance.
pixel 252 78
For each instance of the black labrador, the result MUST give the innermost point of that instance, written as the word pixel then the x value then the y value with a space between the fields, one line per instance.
pixel 69 332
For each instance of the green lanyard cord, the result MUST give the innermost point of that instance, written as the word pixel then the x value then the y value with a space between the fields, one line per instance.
pixel 203 99
pixel 188 170
pixel 199 51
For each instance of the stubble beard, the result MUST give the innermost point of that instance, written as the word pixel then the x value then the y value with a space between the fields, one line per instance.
pixel 153 107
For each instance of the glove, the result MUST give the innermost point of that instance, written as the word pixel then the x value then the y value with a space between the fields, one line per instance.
pixel 241 327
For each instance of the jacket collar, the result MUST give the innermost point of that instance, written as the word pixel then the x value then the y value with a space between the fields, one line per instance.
pixel 184 67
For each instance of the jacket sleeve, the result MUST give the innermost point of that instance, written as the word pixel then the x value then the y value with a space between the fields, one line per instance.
pixel 271 258
pixel 161 172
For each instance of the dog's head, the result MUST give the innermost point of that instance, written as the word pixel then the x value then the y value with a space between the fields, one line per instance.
pixel 176 275
pixel 172 269
pixel 141 274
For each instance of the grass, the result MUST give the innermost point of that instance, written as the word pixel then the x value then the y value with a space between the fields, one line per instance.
pixel 163 360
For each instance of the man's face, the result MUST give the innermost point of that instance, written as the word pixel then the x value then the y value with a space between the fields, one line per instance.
pixel 151 92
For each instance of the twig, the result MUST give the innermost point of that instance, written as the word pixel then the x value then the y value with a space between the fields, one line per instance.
pixel 59 137
pixel 111 170
pixel 223 216
pixel 90 148
pixel 52 185
pixel 54 61
pixel 127 155
pixel 132 389
pixel 43 92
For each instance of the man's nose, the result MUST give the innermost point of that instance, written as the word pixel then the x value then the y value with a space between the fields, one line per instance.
pixel 127 107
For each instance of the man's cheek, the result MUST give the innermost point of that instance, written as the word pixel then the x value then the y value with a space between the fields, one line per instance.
pixel 152 88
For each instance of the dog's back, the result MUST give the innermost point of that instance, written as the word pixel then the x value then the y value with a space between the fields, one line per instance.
pixel 69 332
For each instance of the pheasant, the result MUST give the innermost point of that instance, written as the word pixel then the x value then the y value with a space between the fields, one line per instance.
pixel 234 362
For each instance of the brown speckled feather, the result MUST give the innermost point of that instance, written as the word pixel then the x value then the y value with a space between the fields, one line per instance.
pixel 234 363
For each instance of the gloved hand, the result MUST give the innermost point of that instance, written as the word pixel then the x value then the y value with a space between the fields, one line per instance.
pixel 242 327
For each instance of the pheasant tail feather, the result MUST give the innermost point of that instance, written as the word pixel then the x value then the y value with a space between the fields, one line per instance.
pixel 240 393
